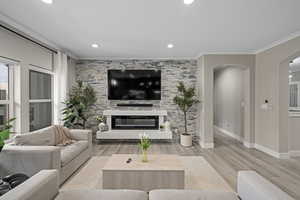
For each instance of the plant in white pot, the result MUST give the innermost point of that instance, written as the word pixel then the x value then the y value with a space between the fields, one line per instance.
pixel 102 122
pixel 185 100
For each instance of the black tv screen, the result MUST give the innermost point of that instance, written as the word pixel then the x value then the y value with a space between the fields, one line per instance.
pixel 134 84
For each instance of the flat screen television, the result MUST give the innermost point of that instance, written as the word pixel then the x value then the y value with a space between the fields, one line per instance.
pixel 134 84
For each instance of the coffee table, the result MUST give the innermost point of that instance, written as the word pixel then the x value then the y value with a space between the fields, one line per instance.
pixel 161 172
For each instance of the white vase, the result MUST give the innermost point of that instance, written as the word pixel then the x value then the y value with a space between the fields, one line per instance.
pixel 186 140
pixel 101 126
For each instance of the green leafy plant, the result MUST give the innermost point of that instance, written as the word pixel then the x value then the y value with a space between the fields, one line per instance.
pixel 144 145
pixel 185 100
pixel 144 142
pixel 5 132
pixel 101 118
pixel 81 98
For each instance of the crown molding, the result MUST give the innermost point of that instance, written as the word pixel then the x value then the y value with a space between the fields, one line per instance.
pixel 279 42
pixel 226 53
pixel 133 58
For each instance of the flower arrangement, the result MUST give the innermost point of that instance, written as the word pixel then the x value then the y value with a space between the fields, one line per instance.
pixel 101 118
pixel 144 145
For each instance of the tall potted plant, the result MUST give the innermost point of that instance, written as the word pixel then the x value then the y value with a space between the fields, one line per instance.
pixel 80 100
pixel 185 100
pixel 5 132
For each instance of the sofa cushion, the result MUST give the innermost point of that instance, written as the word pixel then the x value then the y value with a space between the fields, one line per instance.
pixel 69 152
pixel 42 137
pixel 191 195
pixel 102 195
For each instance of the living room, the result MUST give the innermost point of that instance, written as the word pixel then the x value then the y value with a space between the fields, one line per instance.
pixel 149 99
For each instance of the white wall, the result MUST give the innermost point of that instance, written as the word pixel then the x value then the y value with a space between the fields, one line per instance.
pixel 24 51
pixel 271 80
pixel 228 98
pixel 294 135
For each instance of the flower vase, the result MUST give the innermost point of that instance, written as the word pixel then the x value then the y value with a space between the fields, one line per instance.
pixel 101 126
pixel 144 156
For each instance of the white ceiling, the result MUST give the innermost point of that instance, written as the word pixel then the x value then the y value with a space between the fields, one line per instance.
pixel 143 28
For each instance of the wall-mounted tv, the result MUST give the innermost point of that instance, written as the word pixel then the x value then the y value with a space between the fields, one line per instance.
pixel 134 84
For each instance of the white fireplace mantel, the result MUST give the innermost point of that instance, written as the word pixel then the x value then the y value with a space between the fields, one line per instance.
pixel 134 134
pixel 135 112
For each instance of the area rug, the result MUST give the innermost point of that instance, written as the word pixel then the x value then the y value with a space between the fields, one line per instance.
pixel 199 174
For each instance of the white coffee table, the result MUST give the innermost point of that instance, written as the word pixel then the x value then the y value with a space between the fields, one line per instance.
pixel 161 172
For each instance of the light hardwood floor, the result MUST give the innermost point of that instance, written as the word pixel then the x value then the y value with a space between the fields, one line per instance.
pixel 228 157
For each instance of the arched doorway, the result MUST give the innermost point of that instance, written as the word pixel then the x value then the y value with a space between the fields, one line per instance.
pixel 289 114
pixel 207 65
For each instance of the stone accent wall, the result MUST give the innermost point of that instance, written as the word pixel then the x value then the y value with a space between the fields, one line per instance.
pixel 172 71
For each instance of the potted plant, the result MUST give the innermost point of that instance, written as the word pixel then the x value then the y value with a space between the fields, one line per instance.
pixel 80 100
pixel 5 132
pixel 101 120
pixel 185 100
pixel 144 145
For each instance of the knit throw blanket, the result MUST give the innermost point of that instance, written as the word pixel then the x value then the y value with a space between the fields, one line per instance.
pixel 62 136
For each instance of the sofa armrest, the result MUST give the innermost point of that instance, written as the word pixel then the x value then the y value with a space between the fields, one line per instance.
pixel 43 185
pixel 80 134
pixel 252 186
pixel 29 159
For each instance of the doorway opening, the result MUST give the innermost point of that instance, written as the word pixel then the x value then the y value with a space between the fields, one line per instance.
pixel 294 106
pixel 231 103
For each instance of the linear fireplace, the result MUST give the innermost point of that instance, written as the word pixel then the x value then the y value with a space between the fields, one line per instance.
pixel 129 124
pixel 134 122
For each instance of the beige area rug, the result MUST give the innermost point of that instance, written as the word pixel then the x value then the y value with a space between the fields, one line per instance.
pixel 198 175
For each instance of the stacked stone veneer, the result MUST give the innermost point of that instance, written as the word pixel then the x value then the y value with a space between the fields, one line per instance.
pixel 172 71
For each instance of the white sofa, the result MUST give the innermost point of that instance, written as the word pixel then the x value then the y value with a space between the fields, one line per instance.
pixel 35 151
pixel 191 195
pixel 251 186
pixel 44 186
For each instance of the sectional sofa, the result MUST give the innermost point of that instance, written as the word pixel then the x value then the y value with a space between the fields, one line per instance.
pixel 45 186
pixel 32 152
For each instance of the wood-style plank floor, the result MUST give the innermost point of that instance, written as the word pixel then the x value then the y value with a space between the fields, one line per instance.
pixel 228 157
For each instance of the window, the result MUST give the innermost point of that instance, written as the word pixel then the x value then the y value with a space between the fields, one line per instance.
pixel 40 100
pixel 4 93
pixel 294 95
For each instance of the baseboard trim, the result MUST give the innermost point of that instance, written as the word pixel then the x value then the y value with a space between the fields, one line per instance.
pixel 249 145
pixel 294 153
pixel 272 152
pixel 206 145
pixel 239 138
pixel 230 134
pixel 257 146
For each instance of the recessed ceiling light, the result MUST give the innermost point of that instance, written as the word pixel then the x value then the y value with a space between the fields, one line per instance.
pixel 47 1
pixel 170 46
pixel 188 2
pixel 95 45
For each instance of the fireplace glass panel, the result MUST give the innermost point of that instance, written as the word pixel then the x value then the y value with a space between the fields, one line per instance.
pixel 135 122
